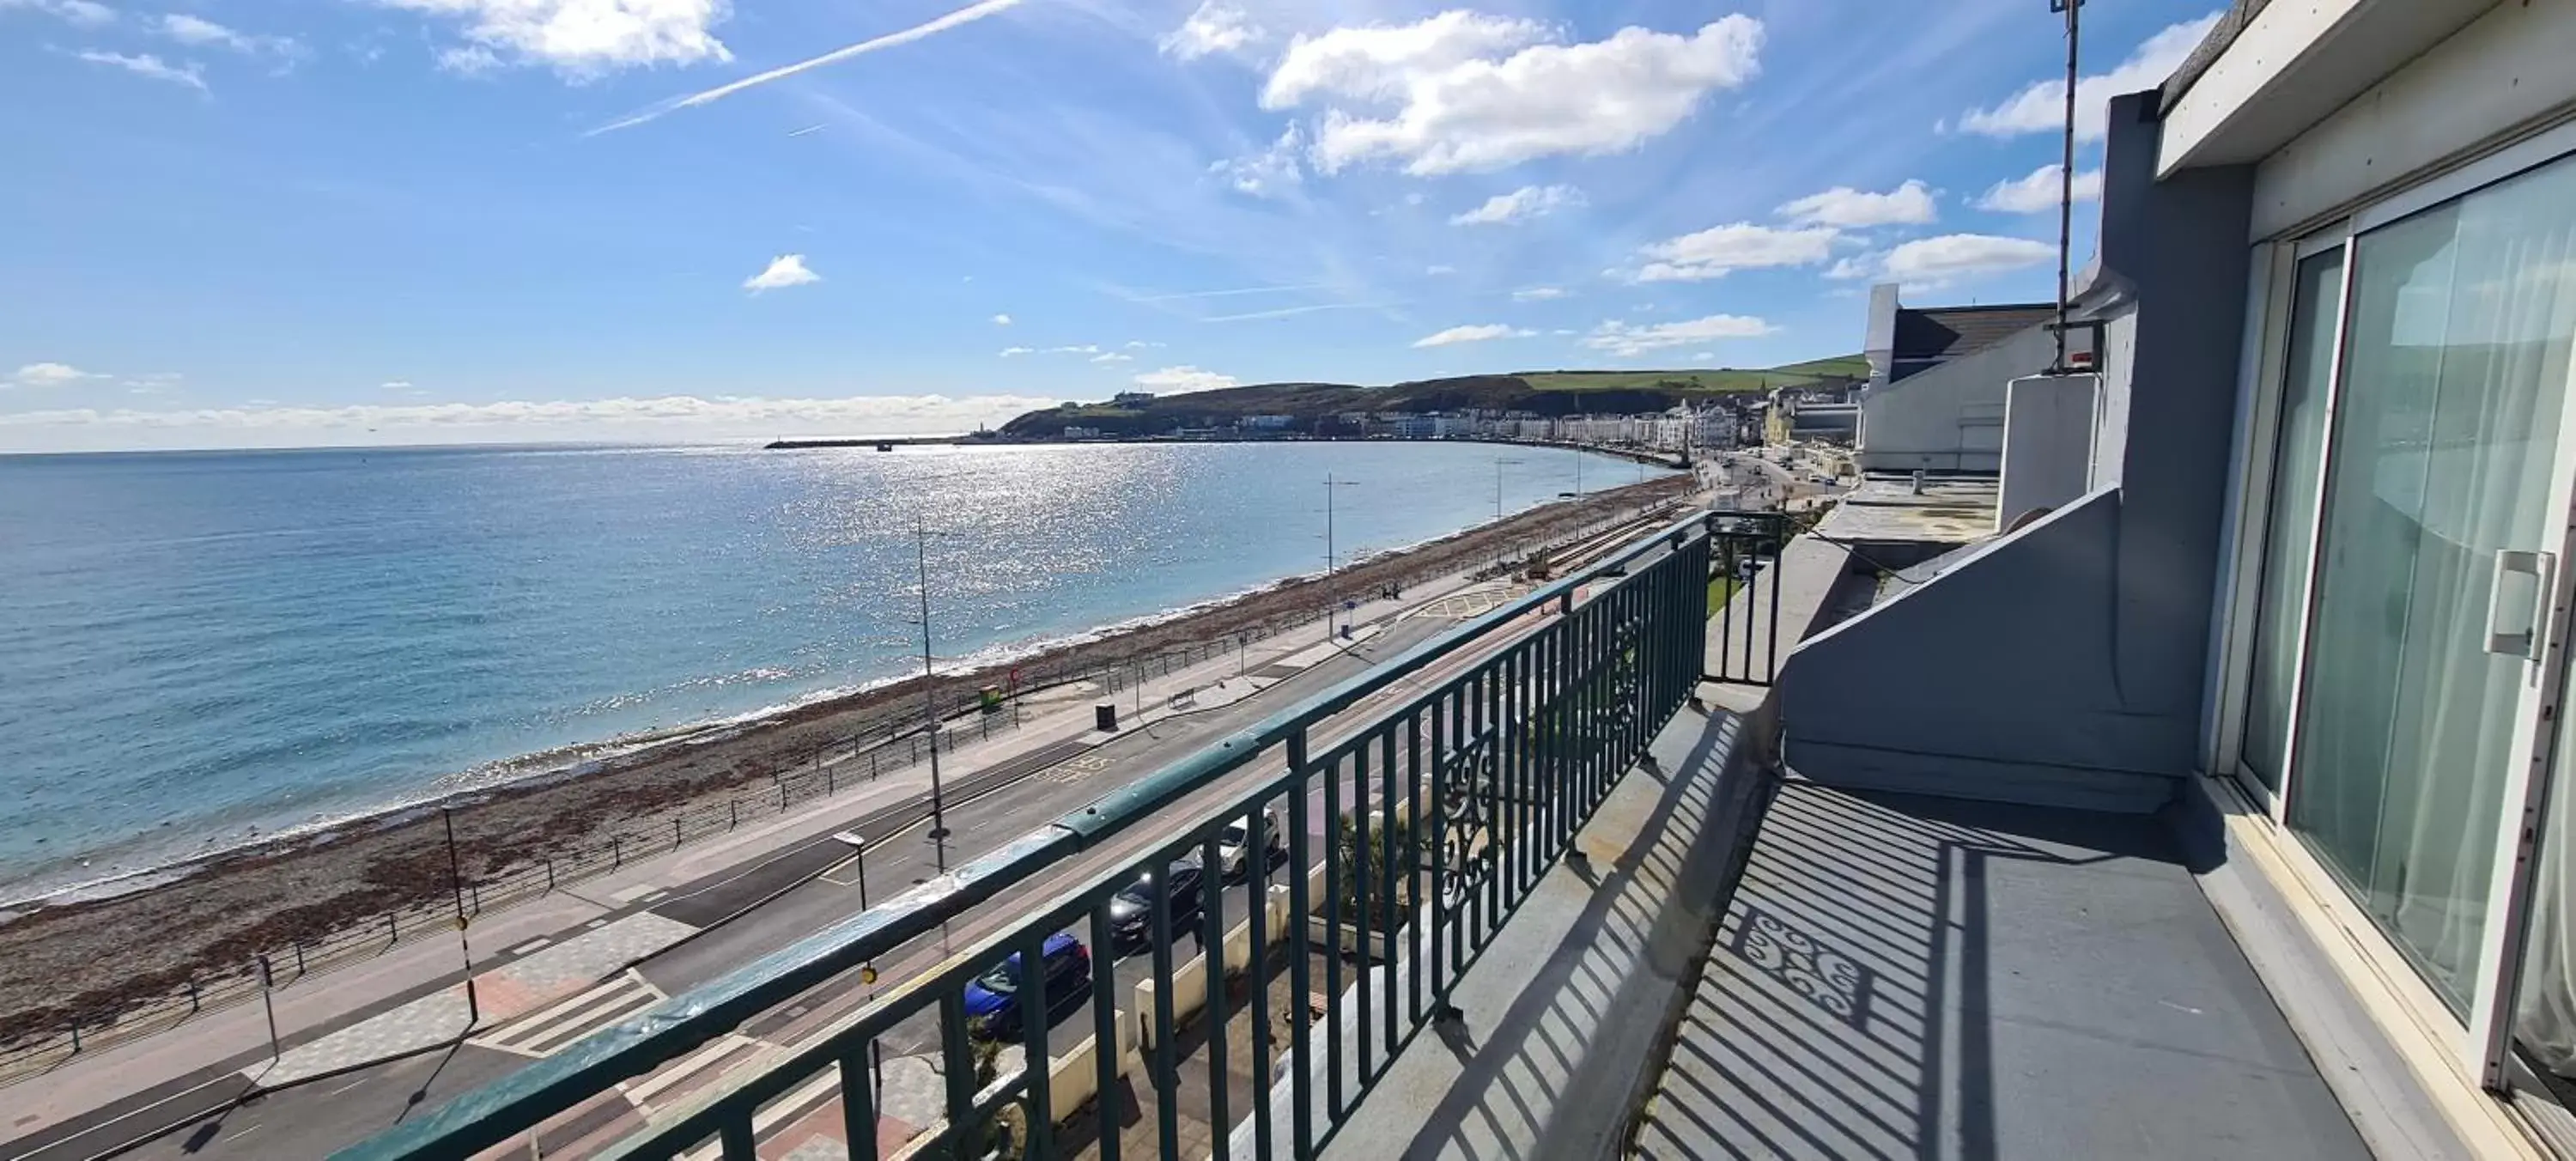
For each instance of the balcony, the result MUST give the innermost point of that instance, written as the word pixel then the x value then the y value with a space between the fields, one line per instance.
pixel 1543 889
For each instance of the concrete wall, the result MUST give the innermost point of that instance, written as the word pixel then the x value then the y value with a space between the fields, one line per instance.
pixel 1997 680
pixel 1949 418
pixel 2065 663
pixel 2048 444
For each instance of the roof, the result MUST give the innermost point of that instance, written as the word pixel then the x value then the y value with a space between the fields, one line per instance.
pixel 1949 332
pixel 2222 34
pixel 1884 509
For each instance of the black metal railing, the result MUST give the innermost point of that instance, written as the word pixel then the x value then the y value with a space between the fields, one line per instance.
pixel 1744 596
pixel 1407 833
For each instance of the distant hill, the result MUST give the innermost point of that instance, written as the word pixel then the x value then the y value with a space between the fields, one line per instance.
pixel 1540 392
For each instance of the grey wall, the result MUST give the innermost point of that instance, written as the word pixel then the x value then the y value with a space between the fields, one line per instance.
pixel 1949 418
pixel 2065 663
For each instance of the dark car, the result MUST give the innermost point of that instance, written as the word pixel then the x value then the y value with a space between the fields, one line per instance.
pixel 993 1004
pixel 1131 911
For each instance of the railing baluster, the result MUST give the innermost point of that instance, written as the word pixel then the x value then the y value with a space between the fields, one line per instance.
pixel 1390 917
pixel 1363 852
pixel 1417 829
pixel 1333 820
pixel 1301 1077
pixel 1442 745
pixel 1167 1089
pixel 1257 839
pixel 858 1103
pixel 1037 1016
pixel 1105 1021
pixel 1212 924
pixel 738 1145
pixel 957 1058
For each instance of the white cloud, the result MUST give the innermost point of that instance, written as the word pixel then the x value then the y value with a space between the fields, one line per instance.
pixel 1537 293
pixel 1712 252
pixel 1435 270
pixel 922 31
pixel 1082 349
pixel 200 32
pixel 147 65
pixel 1703 356
pixel 1441 95
pixel 85 13
pixel 1106 357
pixel 1909 204
pixel 395 385
pixel 584 38
pixel 1625 341
pixel 2040 107
pixel 2038 192
pixel 1856 266
pixel 1212 28
pixel 1472 334
pixel 665 417
pixel 48 375
pixel 1269 173
pixel 1142 345
pixel 1529 201
pixel 1001 320
pixel 1016 352
pixel 1935 261
pixel 783 271
pixel 1183 378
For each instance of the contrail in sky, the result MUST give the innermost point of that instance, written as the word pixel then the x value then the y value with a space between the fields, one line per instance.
pixel 806 130
pixel 932 27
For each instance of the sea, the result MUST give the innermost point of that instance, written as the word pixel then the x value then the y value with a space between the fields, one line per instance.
pixel 203 649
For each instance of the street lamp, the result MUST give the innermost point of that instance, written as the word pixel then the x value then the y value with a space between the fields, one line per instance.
pixel 1498 485
pixel 1331 487
pixel 929 698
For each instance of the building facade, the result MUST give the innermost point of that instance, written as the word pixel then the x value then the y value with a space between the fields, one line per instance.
pixel 2310 585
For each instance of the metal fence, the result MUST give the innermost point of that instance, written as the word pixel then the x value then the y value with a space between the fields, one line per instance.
pixel 827 771
pixel 1744 596
pixel 1418 829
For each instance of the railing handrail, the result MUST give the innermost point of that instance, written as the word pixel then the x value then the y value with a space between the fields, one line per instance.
pixel 684 1023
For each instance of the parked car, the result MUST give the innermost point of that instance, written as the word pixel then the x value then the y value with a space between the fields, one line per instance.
pixel 993 1001
pixel 1233 848
pixel 1131 911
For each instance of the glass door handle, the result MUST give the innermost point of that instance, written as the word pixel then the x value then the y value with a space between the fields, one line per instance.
pixel 2524 636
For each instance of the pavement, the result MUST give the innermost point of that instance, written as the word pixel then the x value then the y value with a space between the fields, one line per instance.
pixel 370 1045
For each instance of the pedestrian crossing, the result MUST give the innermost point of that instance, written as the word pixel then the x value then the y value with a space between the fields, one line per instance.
pixel 548 1030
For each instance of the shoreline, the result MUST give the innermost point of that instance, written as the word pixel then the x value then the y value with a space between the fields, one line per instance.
pixel 76 959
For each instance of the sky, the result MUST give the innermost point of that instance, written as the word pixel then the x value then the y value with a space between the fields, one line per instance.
pixel 235 223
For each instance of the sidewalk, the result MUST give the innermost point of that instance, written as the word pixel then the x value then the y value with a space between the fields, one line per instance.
pixel 559 945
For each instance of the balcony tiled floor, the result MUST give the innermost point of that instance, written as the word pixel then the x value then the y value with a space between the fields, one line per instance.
pixel 1901 976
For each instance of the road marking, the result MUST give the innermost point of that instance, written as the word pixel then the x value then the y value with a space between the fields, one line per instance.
pixel 779 1112
pixel 532 945
pixel 1076 769
pixel 692 1072
pixel 832 873
pixel 548 1030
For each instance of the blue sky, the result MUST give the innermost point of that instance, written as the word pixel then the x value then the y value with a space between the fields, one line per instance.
pixel 239 223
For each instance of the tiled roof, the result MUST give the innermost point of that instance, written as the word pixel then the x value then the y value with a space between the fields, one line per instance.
pixel 1935 336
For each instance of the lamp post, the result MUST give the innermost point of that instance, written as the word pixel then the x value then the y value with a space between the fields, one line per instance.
pixel 456 880
pixel 1331 486
pixel 929 698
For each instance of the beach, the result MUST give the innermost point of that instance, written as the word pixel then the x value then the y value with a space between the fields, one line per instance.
pixel 88 959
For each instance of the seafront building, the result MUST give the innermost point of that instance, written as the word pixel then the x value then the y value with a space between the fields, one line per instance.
pixel 2159 755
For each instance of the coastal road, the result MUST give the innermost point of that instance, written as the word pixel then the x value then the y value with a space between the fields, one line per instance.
pixel 814 884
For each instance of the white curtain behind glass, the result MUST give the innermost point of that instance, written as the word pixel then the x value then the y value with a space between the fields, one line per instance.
pixel 2534 297
pixel 2455 374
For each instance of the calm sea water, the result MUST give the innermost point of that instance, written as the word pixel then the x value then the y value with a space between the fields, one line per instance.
pixel 197 646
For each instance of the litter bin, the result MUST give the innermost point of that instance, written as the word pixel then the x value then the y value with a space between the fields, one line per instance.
pixel 1105 718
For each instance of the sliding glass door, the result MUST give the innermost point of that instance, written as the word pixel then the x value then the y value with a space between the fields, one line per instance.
pixel 2402 671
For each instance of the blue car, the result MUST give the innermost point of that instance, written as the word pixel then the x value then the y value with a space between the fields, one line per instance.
pixel 993 1004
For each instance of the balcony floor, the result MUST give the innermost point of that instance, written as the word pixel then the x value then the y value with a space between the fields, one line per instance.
pixel 1901 976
